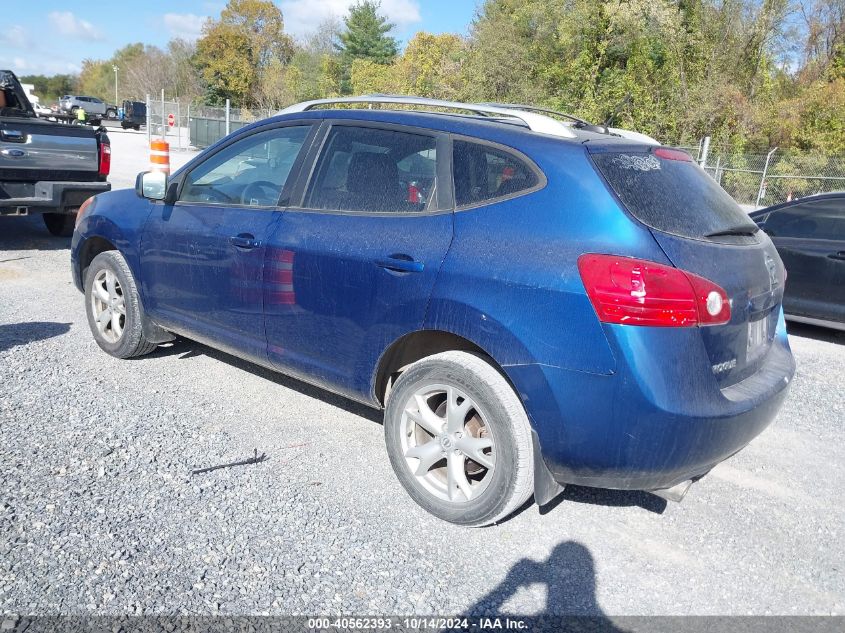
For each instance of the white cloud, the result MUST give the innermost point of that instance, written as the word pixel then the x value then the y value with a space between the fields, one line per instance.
pixel 14 37
pixel 38 65
pixel 68 24
pixel 304 16
pixel 188 26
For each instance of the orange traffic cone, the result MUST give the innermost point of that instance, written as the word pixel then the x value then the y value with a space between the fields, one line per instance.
pixel 160 156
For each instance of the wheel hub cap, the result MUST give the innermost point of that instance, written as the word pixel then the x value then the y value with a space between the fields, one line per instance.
pixel 447 444
pixel 108 306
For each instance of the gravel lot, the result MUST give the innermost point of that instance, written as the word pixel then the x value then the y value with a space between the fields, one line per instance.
pixel 100 512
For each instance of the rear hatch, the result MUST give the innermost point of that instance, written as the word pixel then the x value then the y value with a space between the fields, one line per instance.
pixel 703 231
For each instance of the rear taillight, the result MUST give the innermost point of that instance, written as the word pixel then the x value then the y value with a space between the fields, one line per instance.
pixel 105 159
pixel 638 292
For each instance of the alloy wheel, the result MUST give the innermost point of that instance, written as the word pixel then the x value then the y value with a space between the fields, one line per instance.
pixel 447 443
pixel 108 306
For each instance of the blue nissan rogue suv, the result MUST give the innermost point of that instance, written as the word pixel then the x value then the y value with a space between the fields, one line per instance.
pixel 533 302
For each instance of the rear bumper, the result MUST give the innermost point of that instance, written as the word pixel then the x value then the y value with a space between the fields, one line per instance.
pixel 53 197
pixel 650 425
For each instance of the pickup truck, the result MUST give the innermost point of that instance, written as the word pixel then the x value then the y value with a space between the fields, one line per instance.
pixel 47 167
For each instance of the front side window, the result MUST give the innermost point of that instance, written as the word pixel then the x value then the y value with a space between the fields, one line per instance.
pixel 817 220
pixel 373 170
pixel 482 173
pixel 249 172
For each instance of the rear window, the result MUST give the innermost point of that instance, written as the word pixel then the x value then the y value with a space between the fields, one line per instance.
pixel 671 196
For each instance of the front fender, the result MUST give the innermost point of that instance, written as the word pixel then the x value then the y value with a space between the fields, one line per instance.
pixel 117 217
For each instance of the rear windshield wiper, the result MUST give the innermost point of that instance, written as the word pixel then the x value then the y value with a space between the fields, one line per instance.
pixel 742 229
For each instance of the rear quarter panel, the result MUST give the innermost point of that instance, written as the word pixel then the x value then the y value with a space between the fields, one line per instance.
pixel 510 281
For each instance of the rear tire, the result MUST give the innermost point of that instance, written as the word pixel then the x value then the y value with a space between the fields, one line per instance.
pixel 111 114
pixel 114 310
pixel 60 224
pixel 444 413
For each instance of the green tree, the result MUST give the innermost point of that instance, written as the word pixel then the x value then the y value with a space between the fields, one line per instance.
pixel 431 66
pixel 367 76
pixel 237 51
pixel 49 89
pixel 223 59
pixel 317 63
pixel 365 37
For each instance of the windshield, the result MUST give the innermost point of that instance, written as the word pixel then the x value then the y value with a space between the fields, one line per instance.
pixel 673 196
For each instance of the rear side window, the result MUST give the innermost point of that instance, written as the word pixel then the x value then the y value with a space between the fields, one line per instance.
pixel 370 170
pixel 819 220
pixel 483 173
pixel 669 195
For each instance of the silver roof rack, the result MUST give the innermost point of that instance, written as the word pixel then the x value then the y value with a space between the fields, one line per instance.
pixel 530 108
pixel 581 123
pixel 533 120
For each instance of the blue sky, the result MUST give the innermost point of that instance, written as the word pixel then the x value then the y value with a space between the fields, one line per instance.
pixel 54 36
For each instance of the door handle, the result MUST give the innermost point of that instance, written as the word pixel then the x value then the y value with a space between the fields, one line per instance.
pixel 245 240
pixel 401 264
pixel 840 256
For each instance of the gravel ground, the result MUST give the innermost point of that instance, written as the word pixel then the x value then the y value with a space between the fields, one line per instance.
pixel 100 513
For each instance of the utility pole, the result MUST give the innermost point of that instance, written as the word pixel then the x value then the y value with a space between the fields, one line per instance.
pixel 115 68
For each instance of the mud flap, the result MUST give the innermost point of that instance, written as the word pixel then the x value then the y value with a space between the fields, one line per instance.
pixel 545 486
pixel 155 334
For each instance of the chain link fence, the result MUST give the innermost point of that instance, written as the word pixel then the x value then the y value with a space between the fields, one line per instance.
pixel 209 124
pixel 169 119
pixel 761 180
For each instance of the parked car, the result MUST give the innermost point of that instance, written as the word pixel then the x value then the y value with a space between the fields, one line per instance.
pixel 93 106
pixel 41 110
pixel 134 115
pixel 46 167
pixel 809 234
pixel 533 303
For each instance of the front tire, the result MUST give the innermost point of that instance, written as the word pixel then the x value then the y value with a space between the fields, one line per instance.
pixel 113 306
pixel 60 224
pixel 459 439
pixel 111 114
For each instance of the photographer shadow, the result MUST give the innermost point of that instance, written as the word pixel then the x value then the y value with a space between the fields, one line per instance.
pixel 569 578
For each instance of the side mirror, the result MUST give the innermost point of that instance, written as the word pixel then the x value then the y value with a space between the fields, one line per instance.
pixel 151 185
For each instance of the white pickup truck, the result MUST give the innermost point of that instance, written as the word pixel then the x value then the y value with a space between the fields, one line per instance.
pixel 47 167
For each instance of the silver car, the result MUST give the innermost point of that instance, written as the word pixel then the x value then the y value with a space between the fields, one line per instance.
pixel 91 105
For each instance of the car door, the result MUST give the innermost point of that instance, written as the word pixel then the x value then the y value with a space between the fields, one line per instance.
pixel 202 257
pixel 810 237
pixel 351 268
pixel 95 106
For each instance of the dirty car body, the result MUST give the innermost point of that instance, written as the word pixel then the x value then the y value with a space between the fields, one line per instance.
pixel 547 259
